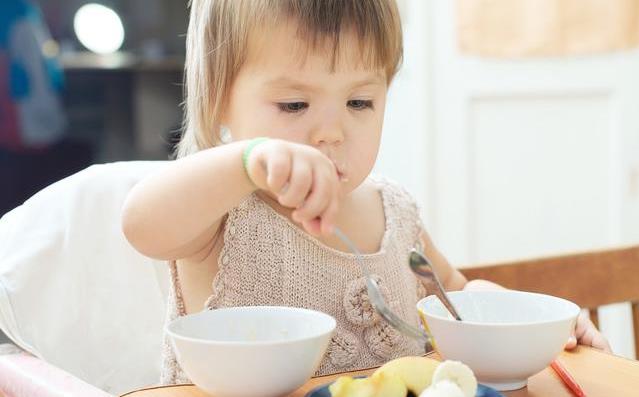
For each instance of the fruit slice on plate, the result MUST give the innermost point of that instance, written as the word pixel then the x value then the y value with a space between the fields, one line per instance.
pixel 444 388
pixel 410 376
pixel 458 373
pixel 416 372
pixel 383 385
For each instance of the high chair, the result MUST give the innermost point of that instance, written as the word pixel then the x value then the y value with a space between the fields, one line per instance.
pixel 589 279
pixel 84 311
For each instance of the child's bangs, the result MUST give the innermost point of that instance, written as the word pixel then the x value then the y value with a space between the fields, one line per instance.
pixel 323 23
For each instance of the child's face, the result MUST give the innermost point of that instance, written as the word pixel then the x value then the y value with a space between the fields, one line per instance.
pixel 282 92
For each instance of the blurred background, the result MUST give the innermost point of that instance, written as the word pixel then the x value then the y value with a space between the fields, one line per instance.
pixel 109 90
pixel 515 123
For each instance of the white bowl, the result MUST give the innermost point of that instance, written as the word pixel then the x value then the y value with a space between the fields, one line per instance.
pixel 251 351
pixel 505 336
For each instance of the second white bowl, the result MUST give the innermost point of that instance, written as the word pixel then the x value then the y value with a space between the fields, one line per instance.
pixel 505 336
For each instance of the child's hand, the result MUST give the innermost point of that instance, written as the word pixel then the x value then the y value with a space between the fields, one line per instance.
pixel 301 177
pixel 585 333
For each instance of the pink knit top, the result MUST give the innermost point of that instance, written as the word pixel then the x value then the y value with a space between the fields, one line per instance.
pixel 267 260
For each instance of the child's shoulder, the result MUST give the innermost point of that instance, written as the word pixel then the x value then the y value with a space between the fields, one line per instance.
pixel 401 211
pixel 397 202
pixel 390 190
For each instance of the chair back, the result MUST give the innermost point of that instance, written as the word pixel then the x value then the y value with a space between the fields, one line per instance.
pixel 589 279
pixel 73 292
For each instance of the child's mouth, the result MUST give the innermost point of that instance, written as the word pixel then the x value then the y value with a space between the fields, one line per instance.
pixel 340 173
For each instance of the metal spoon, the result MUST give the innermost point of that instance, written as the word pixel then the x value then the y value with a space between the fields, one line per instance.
pixel 422 268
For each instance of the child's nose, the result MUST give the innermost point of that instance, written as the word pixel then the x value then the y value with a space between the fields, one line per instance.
pixel 327 131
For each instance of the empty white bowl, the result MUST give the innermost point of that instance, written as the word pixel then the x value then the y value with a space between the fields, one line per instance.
pixel 506 336
pixel 251 351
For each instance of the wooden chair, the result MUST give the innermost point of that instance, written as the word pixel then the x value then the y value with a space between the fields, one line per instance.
pixel 590 279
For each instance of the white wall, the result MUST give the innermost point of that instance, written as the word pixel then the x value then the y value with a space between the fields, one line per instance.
pixel 514 159
pixel 405 154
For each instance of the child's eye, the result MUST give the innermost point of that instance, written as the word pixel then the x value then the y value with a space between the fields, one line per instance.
pixel 292 107
pixel 360 104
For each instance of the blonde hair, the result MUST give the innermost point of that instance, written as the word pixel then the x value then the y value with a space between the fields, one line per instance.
pixel 219 33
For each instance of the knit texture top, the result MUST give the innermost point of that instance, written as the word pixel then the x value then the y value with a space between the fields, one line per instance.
pixel 266 260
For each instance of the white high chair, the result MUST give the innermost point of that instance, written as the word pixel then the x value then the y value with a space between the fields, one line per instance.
pixel 84 310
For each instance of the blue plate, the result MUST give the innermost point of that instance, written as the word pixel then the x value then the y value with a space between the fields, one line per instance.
pixel 482 391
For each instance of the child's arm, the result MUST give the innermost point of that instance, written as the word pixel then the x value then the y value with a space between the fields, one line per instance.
pixel 175 213
pixel 451 278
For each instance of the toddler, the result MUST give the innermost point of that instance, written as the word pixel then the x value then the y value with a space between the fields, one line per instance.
pixel 284 110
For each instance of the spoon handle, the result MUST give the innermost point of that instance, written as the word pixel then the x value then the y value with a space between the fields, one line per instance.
pixel 449 305
pixel 377 300
pixel 441 292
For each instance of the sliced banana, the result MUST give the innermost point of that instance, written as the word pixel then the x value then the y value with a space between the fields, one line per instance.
pixel 444 388
pixel 458 373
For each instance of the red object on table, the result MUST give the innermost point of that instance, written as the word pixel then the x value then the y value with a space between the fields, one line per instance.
pixel 567 379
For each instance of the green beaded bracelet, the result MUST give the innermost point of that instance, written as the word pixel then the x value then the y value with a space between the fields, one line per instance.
pixel 247 151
